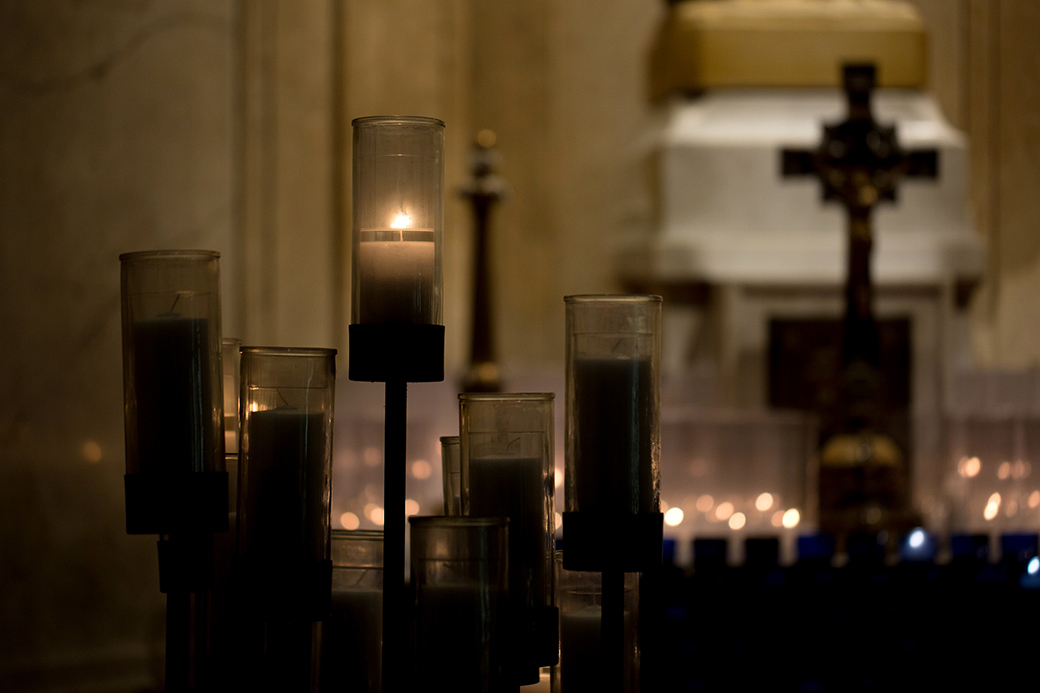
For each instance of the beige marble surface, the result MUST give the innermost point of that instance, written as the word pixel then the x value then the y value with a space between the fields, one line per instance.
pixel 116 134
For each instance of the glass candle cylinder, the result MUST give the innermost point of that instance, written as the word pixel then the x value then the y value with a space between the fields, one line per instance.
pixel 460 584
pixel 507 444
pixel 351 653
pixel 451 471
pixel 232 360
pixel 582 656
pixel 398 178
pixel 613 412
pixel 171 362
pixel 285 478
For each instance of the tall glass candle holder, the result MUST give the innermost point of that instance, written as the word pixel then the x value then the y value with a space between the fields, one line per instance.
pixel 506 445
pixel 612 484
pixel 451 475
pixel 460 587
pixel 582 655
pixel 286 480
pixel 398 219
pixel 173 406
pixel 352 635
pixel 396 335
pixel 232 361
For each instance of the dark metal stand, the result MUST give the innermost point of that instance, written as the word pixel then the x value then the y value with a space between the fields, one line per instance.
pixel 483 190
pixel 612 629
pixel 613 545
pixel 185 510
pixel 179 646
pixel 185 569
pixel 395 354
pixel 395 620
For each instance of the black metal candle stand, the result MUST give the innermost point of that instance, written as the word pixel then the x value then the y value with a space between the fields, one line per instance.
pixel 613 544
pixel 185 510
pixel 192 503
pixel 395 354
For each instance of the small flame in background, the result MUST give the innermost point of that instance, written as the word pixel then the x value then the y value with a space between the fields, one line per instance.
pixel 401 221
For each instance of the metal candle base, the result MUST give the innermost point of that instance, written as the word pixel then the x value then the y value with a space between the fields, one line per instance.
pixel 612 543
pixel 191 503
pixel 402 352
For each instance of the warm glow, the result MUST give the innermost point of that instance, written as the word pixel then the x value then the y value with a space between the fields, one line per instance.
pixel 1004 470
pixel 1012 508
pixel 724 511
pixel 674 517
pixel 764 502
pixel 401 221
pixel 873 515
pixel 777 520
pixel 373 456
pixel 969 467
pixel 558 475
pixel 349 521
pixel 91 452
pixel 559 521
pixel 421 469
pixel 1034 499
pixel 705 503
pixel 664 505
pixel 377 517
pixel 411 507
pixel 1021 469
pixel 736 521
pixel 791 518
pixel 992 507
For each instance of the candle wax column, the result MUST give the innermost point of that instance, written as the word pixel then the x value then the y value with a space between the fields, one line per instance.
pixel 175 428
pixel 283 523
pixel 614 405
pixel 396 276
pixel 351 638
pixel 514 487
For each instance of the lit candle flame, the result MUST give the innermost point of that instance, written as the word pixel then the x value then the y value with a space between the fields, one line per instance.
pixel 401 221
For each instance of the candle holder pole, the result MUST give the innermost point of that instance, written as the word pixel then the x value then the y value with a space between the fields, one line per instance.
pixel 394 613
pixel 612 627
pixel 395 334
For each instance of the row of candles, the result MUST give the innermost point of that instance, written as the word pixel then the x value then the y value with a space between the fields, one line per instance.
pixel 483 609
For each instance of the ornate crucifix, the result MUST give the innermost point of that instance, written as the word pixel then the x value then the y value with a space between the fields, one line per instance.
pixel 860 164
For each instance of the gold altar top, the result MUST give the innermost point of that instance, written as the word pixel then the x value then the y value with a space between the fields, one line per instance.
pixel 706 44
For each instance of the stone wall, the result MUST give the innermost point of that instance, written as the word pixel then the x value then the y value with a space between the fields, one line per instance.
pixel 117 133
